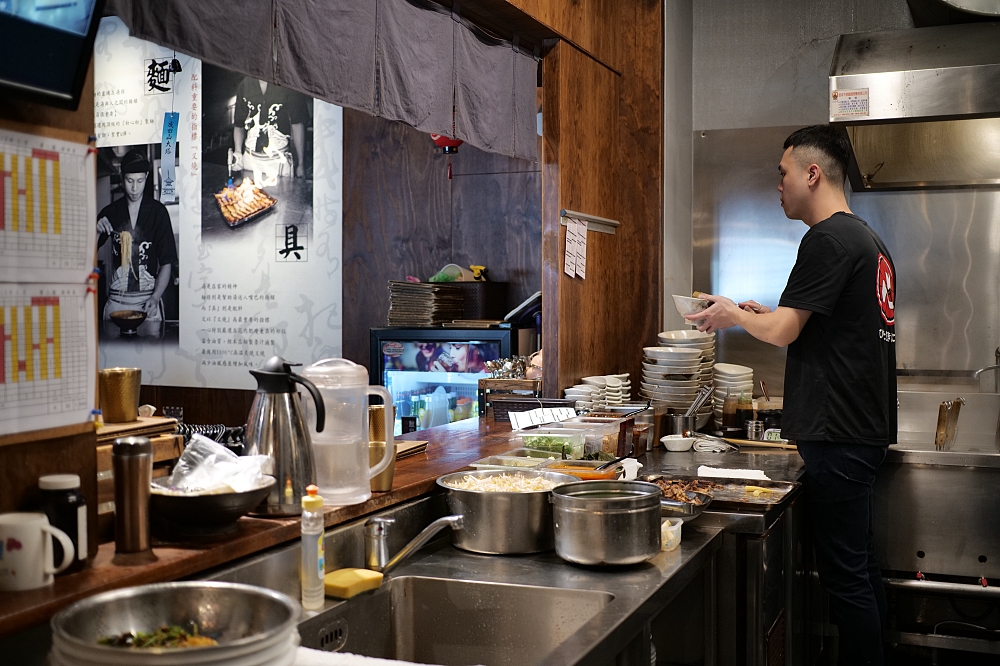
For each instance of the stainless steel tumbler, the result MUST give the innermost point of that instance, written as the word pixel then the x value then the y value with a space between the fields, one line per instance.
pixel 132 460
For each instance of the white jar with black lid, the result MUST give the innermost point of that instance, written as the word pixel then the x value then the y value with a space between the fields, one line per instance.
pixel 66 509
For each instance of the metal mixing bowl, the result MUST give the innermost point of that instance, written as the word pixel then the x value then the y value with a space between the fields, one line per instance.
pixel 246 620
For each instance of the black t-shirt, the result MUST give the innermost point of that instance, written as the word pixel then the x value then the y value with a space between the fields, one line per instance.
pixel 840 373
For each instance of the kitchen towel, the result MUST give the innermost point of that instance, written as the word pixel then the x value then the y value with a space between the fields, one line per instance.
pixel 308 657
pixel 722 473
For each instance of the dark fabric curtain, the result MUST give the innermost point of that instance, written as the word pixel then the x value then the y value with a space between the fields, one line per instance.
pixel 327 49
pixel 390 58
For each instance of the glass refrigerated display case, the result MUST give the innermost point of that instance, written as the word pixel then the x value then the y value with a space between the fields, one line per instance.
pixel 433 373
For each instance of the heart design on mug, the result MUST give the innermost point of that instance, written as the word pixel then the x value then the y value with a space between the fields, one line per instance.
pixel 13 544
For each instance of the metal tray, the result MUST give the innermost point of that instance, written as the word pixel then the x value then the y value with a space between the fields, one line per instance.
pixel 684 510
pixel 732 494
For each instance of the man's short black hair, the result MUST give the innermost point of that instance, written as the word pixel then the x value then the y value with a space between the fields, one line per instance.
pixel 830 143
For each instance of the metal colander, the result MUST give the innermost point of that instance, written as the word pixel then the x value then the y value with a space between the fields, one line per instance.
pixel 252 625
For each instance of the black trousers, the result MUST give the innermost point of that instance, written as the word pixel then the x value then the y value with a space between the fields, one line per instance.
pixel 839 489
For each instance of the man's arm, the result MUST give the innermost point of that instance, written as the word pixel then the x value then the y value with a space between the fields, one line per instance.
pixel 779 328
pixel 160 286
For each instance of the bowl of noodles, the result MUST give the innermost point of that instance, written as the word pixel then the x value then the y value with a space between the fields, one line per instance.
pixel 128 321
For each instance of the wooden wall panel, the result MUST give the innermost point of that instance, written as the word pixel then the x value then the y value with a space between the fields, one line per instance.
pixel 403 216
pixel 602 155
pixel 582 316
pixel 397 218
pixel 201 405
pixel 591 25
pixel 640 178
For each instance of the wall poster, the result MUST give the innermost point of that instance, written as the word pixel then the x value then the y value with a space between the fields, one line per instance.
pixel 219 239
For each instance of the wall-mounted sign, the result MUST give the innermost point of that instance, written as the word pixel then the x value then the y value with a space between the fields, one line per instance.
pixel 244 260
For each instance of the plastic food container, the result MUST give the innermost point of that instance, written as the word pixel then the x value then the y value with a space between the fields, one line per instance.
pixel 606 433
pixel 568 443
pixel 523 458
pixel 670 531
pixel 586 470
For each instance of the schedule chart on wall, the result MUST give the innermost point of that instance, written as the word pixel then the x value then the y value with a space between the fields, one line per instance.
pixel 49 360
pixel 47 190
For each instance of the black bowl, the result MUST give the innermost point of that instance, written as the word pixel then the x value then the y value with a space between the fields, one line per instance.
pixel 128 321
pixel 194 517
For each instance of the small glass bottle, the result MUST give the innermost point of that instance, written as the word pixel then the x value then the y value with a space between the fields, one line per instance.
pixel 729 410
pixel 312 567
pixel 744 410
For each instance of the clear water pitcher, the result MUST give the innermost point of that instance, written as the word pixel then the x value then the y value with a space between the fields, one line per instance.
pixel 341 449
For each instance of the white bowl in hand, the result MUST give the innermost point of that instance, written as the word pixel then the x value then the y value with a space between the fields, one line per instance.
pixel 687 306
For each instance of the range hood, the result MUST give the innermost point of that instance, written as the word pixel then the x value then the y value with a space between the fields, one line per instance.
pixel 921 106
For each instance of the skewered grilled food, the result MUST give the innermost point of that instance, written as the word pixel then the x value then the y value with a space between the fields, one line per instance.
pixel 241 203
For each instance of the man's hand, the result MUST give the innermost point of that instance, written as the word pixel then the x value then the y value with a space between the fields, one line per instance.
pixel 150 305
pixel 723 313
pixel 104 226
pixel 754 307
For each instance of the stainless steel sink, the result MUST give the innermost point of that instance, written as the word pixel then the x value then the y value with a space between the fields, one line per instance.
pixel 454 622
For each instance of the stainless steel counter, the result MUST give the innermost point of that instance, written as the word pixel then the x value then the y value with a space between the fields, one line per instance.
pixel 763 590
pixel 620 627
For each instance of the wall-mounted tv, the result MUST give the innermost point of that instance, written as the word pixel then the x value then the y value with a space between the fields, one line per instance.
pixel 45 48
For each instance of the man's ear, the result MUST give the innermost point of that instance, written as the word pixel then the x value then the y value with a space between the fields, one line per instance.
pixel 813 173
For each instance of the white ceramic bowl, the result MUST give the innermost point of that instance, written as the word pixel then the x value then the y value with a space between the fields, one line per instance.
pixel 686 335
pixel 687 305
pixel 671 353
pixel 677 443
pixel 729 369
pixel 596 380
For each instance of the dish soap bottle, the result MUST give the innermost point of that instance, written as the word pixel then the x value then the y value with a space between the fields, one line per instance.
pixel 312 567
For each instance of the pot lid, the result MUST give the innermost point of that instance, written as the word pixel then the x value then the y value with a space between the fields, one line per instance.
pixel 335 373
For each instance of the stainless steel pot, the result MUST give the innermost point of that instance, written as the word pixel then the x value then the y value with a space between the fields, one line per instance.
pixel 502 523
pixel 607 522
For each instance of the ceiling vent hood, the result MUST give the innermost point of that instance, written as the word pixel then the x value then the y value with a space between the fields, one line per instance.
pixel 921 106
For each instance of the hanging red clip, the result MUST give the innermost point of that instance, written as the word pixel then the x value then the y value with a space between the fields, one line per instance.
pixel 982 581
pixel 920 575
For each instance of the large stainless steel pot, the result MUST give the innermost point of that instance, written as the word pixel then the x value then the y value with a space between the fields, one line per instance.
pixel 607 522
pixel 502 523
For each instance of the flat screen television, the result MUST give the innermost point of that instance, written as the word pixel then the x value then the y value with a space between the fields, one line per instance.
pixel 45 48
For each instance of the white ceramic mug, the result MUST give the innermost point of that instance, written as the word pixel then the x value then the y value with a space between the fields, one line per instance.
pixel 26 551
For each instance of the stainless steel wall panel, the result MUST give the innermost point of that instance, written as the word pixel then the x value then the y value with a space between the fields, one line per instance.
pixel 760 64
pixel 937 519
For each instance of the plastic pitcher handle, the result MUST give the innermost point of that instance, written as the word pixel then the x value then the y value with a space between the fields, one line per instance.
pixel 390 422
pixel 317 398
pixel 67 545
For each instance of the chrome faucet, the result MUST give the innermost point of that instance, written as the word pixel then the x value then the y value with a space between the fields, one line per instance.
pixel 377 541
pixel 996 371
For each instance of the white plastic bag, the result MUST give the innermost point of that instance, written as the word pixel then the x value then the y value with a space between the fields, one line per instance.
pixel 207 467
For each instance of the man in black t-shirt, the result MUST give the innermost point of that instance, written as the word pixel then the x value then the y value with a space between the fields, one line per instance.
pixel 840 375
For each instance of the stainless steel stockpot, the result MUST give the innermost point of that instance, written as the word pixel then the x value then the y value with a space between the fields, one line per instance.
pixel 607 522
pixel 502 523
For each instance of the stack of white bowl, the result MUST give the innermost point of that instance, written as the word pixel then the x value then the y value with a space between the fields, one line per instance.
pixel 618 389
pixel 674 372
pixel 587 396
pixel 731 378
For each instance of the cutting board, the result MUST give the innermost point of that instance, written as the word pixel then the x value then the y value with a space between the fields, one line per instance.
pixel 744 443
pixel 145 427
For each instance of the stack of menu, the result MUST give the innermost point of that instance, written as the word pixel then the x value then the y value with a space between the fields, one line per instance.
pixel 423 303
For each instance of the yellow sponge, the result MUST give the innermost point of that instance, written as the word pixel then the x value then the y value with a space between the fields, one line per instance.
pixel 345 583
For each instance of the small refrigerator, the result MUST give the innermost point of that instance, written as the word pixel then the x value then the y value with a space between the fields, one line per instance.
pixel 433 373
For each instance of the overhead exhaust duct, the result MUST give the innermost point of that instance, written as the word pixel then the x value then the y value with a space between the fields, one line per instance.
pixel 921 106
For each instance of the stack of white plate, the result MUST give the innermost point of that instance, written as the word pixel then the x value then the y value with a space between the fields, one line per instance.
pixel 733 379
pixel 674 372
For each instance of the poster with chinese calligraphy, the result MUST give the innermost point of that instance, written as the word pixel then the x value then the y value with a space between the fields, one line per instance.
pixel 255 269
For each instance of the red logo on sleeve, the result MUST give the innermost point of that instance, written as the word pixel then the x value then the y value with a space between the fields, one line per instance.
pixel 886 290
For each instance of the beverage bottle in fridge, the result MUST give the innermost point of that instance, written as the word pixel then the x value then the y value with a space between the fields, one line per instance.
pixel 312 567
